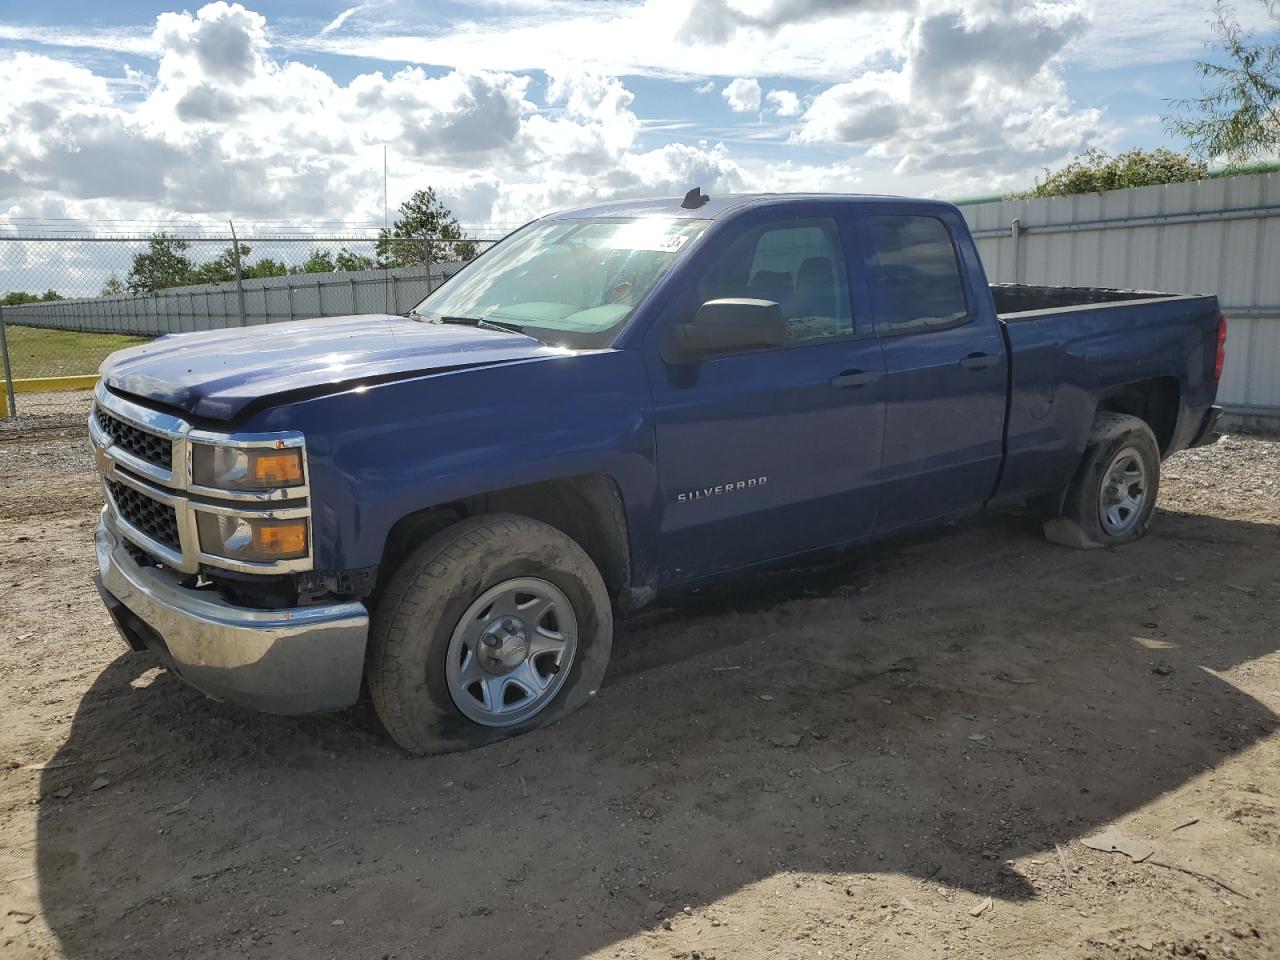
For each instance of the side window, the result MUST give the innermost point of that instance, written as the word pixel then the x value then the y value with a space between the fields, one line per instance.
pixel 915 277
pixel 799 265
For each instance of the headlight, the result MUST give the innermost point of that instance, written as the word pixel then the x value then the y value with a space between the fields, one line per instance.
pixel 246 468
pixel 253 540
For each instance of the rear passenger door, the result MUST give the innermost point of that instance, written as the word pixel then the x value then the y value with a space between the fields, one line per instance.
pixel 945 364
pixel 770 451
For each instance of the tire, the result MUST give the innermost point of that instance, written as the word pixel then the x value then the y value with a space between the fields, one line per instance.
pixel 1113 494
pixel 433 701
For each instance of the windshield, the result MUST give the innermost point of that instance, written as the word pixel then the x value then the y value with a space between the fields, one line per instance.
pixel 567 282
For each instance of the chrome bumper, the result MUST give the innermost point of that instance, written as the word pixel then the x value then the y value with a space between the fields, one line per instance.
pixel 305 660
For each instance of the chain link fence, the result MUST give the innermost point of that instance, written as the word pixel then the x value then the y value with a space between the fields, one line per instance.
pixel 66 303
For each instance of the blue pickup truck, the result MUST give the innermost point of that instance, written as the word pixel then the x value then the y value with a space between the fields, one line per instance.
pixel 446 508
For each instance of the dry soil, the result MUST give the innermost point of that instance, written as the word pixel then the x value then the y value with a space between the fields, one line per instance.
pixel 894 754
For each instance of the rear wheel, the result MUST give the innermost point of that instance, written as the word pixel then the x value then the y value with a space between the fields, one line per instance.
pixel 1111 499
pixel 493 627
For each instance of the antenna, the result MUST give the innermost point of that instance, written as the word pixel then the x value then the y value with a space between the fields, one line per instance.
pixel 694 199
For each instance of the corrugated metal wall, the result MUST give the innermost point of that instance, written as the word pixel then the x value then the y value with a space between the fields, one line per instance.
pixel 1214 236
pixel 212 306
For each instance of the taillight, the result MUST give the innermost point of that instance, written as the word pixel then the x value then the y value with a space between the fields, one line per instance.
pixel 1222 348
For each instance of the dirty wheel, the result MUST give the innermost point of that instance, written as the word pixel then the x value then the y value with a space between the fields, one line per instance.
pixel 1111 498
pixel 493 627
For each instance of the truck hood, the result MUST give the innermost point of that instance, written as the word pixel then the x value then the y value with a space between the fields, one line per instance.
pixel 216 374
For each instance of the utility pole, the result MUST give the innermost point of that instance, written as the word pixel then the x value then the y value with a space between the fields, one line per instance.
pixel 235 256
pixel 386 274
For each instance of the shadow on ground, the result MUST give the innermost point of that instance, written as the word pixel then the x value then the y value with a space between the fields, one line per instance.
pixel 931 710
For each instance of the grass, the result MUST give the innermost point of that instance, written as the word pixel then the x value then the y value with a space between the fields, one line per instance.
pixel 34 352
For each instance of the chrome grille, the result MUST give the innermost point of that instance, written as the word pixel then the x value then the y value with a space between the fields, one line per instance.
pixel 141 443
pixel 153 519
pixel 144 457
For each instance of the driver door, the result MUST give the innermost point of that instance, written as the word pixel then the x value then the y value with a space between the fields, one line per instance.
pixel 763 453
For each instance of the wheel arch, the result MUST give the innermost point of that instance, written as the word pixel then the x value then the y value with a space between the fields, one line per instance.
pixel 1155 401
pixel 587 508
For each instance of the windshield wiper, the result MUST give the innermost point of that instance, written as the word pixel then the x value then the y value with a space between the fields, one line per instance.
pixel 489 324
pixel 504 325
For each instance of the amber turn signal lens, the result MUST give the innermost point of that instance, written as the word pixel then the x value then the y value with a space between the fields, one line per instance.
pixel 280 538
pixel 278 468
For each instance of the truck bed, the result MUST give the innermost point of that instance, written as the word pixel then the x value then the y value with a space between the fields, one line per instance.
pixel 1014 301
pixel 1070 346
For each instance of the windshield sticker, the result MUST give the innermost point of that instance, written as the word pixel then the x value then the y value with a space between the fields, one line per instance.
pixel 647 236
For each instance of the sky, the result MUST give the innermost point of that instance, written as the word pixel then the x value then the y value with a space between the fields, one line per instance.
pixel 280 111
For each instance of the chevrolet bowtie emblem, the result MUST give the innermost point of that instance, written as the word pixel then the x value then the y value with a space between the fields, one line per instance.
pixel 106 466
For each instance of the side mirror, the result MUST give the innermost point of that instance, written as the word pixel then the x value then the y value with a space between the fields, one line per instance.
pixel 726 326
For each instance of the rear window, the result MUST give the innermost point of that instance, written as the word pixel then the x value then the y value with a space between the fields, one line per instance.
pixel 915 276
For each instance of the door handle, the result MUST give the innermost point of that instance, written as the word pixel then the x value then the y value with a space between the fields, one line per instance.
pixel 979 361
pixel 854 378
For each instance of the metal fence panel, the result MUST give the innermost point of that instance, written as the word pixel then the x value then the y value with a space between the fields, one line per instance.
pixel 217 306
pixel 59 342
pixel 1218 236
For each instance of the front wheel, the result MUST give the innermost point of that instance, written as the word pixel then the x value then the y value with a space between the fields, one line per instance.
pixel 1111 499
pixel 493 627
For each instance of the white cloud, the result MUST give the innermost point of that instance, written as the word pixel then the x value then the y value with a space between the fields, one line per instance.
pixel 1154 31
pixel 337 22
pixel 820 40
pixel 226 41
pixel 784 103
pixel 135 40
pixel 634 37
pixel 743 95
pixel 928 96
pixel 719 21
pixel 595 127
pixel 978 92
pixel 222 127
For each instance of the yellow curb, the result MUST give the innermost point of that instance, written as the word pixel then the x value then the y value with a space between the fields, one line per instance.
pixel 44 385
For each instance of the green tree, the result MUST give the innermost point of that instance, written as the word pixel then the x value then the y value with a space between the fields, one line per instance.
pixel 15 298
pixel 320 261
pixel 266 267
pixel 222 268
pixel 163 264
pixel 1236 118
pixel 1095 171
pixel 113 287
pixel 423 223
pixel 349 262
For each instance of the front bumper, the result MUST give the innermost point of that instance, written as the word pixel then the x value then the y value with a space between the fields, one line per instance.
pixel 304 660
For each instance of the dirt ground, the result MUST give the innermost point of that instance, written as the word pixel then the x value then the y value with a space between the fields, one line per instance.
pixel 894 755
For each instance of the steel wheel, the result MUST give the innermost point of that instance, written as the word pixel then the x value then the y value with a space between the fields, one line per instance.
pixel 1123 492
pixel 511 652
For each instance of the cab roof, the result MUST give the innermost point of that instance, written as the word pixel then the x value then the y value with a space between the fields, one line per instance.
pixel 716 206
